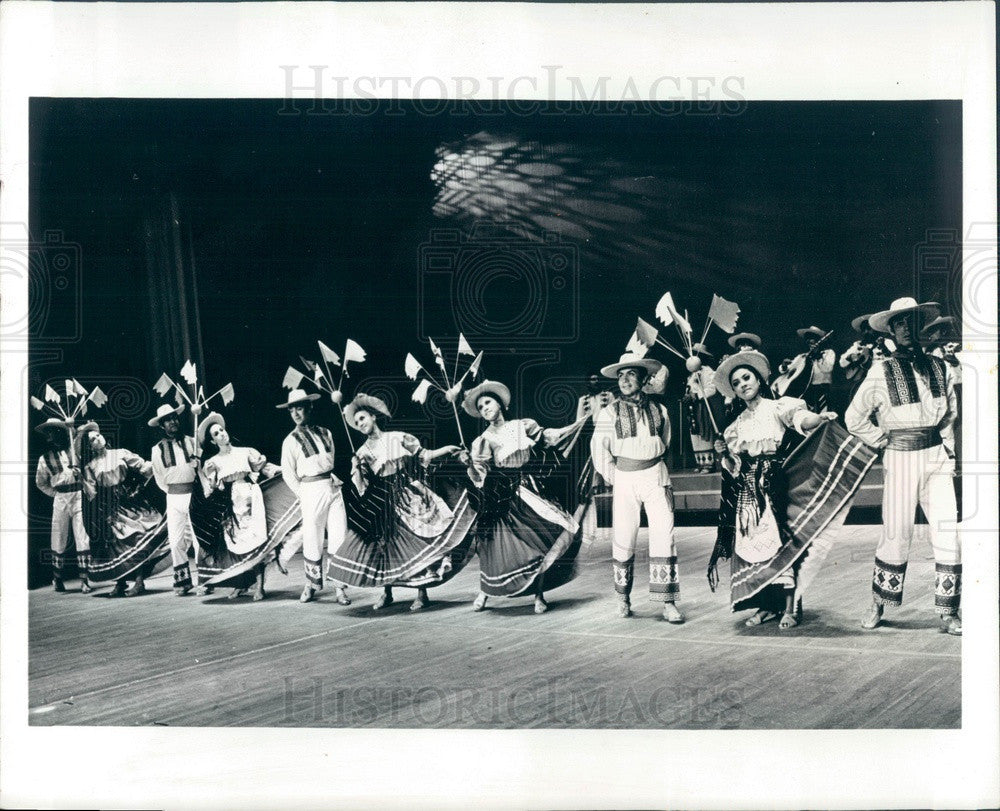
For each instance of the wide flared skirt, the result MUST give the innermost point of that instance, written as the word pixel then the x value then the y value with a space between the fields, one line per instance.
pixel 126 533
pixel 229 551
pixel 823 475
pixel 400 533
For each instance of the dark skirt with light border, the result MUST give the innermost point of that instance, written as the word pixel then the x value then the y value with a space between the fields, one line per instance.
pixel 811 496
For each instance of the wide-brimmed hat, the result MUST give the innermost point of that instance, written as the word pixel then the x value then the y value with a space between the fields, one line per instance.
pixel 165 410
pixel 81 435
pixel 702 349
pixel 630 359
pixel 498 390
pixel 901 306
pixel 859 322
pixel 365 402
pixel 753 359
pixel 943 322
pixel 214 418
pixel 749 337
pixel 52 423
pixel 805 332
pixel 297 397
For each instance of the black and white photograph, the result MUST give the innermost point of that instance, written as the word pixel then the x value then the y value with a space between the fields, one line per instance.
pixel 422 429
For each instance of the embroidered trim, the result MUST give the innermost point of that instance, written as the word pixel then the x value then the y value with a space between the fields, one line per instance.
pixel 947 587
pixel 887 582
pixel 623 572
pixel 663 577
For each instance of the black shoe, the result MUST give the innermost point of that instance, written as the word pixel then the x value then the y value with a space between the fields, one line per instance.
pixel 57 585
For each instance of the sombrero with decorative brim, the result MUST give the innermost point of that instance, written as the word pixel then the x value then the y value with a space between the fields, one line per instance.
pixel 942 322
pixel 165 410
pixel 51 423
pixel 365 402
pixel 752 359
pixel 859 322
pixel 297 397
pixel 81 435
pixel 805 332
pixel 214 418
pixel 498 390
pixel 702 349
pixel 901 306
pixel 749 337
pixel 631 360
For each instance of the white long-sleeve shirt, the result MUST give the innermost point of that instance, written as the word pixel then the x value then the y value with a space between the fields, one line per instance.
pixel 903 399
pixel 171 460
pixel 307 451
pixel 606 446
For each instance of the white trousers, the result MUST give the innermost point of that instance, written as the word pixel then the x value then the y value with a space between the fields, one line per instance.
pixel 322 506
pixel 921 477
pixel 67 512
pixel 180 533
pixel 633 491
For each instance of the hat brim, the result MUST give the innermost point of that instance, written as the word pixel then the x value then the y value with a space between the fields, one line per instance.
pixel 153 423
pixel 498 390
pixel 754 360
pixel 81 434
pixel 649 364
pixel 299 401
pixel 215 418
pixel 805 333
pixel 880 321
pixel 944 323
pixel 749 337
pixel 858 322
pixel 365 402
pixel 45 427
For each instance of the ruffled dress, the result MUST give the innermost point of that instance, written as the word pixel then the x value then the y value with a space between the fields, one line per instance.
pixel 400 532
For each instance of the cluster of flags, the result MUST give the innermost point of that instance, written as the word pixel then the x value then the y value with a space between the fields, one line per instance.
pixel 721 312
pixel 450 389
pixel 197 401
pixel 77 398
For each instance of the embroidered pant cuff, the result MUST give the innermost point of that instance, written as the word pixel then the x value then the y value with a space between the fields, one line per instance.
pixel 182 576
pixel 887 582
pixel 314 572
pixel 947 587
pixel 623 575
pixel 663 580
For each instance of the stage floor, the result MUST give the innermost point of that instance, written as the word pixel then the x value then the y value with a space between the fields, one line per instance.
pixel 210 661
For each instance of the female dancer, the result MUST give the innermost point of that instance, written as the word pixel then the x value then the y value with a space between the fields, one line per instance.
pixel 127 534
pixel 765 542
pixel 521 535
pixel 399 531
pixel 242 522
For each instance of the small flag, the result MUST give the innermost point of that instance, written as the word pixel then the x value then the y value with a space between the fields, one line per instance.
pixel 318 375
pixel 724 313
pixel 420 394
pixel 438 357
pixel 474 366
pixel 163 385
pixel 228 394
pixel 463 346
pixel 645 333
pixel 50 394
pixel 635 346
pixel 179 397
pixel 354 352
pixel 328 354
pixel 70 391
pixel 309 364
pixel 293 378
pixel 190 372
pixel 412 366
pixel 98 397
pixel 78 389
pixel 82 409
pixel 667 312
pixel 37 403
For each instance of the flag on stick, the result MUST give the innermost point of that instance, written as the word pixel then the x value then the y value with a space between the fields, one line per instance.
pixel 50 394
pixel 352 351
pixel 228 393
pixel 310 365
pixel 70 391
pixel 78 389
pixel 635 346
pixel 412 366
pixel 98 397
pixel 474 366
pixel 420 393
pixel 645 333
pixel 328 354
pixel 463 346
pixel 293 378
pixel 190 372
pixel 36 403
pixel 163 385
pixel 724 313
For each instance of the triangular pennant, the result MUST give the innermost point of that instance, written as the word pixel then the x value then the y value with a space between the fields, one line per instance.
pixel 190 373
pixel 309 364
pixel 80 390
pixel 293 378
pixel 635 346
pixel 724 313
pixel 412 366
pixel 420 393
pixel 328 354
pixel 645 333
pixel 463 346
pixel 50 394
pixel 228 394
pixel 98 397
pixel 354 352
pixel 474 366
pixel 163 385
pixel 36 403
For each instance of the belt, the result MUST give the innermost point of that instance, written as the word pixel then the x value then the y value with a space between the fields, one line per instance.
pixel 180 489
pixel 626 465
pixel 914 439
pixel 68 488
pixel 319 477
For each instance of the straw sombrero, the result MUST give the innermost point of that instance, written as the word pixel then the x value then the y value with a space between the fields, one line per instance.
pixel 631 360
pixel 165 410
pixel 753 359
pixel 365 402
pixel 901 306
pixel 297 397
pixel 498 390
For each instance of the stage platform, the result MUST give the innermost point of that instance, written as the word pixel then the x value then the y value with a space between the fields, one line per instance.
pixel 210 661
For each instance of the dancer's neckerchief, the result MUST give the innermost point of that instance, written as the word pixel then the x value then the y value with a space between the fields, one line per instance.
pixel 630 411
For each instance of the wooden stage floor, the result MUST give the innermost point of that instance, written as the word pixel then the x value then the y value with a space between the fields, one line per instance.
pixel 209 661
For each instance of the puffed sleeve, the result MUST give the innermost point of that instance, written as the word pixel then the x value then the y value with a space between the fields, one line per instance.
pixel 209 475
pixel 413 447
pixel 708 381
pixel 480 459
pixel 600 445
pixel 135 462
pixel 256 460
pixel 731 436
pixel 791 411
pixel 870 397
